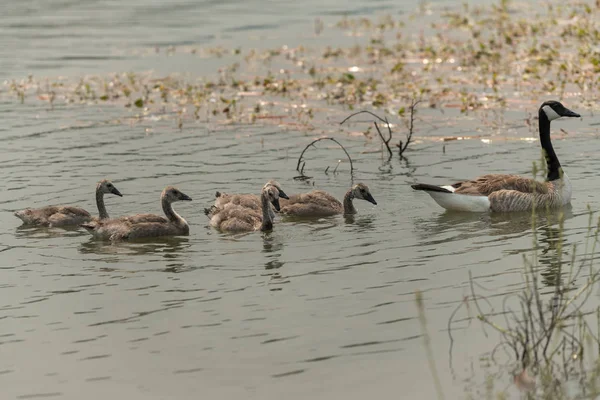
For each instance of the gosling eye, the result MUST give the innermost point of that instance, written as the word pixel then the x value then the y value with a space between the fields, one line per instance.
pixel 363 191
pixel 109 185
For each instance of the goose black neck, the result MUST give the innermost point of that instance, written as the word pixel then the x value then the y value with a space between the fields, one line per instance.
pixel 552 163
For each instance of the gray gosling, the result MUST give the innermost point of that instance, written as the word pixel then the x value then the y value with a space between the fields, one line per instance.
pixel 251 201
pixel 235 217
pixel 148 225
pixel 319 203
pixel 68 215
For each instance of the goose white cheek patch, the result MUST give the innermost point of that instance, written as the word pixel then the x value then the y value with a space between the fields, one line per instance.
pixel 550 113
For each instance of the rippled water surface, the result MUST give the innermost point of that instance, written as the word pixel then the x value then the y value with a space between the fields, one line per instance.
pixel 320 309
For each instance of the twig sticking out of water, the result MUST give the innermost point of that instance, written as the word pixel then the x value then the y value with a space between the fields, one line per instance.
pixel 385 141
pixel 401 147
pixel 302 163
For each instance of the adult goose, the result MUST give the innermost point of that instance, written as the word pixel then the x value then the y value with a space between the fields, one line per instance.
pixel 68 215
pixel 127 228
pixel 505 193
pixel 318 203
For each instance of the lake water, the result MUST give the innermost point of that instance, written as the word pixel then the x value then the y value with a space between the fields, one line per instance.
pixel 322 309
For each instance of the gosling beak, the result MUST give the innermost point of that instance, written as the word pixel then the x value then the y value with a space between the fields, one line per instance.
pixel 569 113
pixel 114 190
pixel 185 197
pixel 370 198
pixel 283 195
pixel 276 204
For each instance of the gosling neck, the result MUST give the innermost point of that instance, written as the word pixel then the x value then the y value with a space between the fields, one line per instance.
pixel 100 202
pixel 267 221
pixel 348 205
pixel 172 216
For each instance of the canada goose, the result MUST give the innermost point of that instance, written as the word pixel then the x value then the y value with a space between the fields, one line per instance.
pixel 251 201
pixel 502 193
pixel 68 215
pixel 234 217
pixel 318 203
pixel 125 228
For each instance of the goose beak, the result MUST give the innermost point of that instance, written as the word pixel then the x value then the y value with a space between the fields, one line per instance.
pixel 185 197
pixel 114 190
pixel 370 198
pixel 276 204
pixel 569 113
pixel 283 195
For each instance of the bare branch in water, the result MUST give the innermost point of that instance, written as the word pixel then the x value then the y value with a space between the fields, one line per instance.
pixel 336 167
pixel 401 147
pixel 301 158
pixel 385 142
pixel 361 112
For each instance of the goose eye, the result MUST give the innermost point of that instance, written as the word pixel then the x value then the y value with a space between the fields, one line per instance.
pixel 363 191
pixel 109 185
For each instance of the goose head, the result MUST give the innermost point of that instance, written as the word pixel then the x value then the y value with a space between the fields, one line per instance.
pixel 276 184
pixel 553 110
pixel 107 186
pixel 271 193
pixel 172 194
pixel 361 191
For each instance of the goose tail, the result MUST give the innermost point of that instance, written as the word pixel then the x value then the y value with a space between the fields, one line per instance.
pixel 430 188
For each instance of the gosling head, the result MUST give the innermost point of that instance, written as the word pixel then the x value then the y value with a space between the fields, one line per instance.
pixel 172 194
pixel 278 187
pixel 107 186
pixel 553 110
pixel 272 194
pixel 361 191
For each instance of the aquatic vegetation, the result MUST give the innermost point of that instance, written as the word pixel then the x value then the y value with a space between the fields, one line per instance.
pixel 473 59
pixel 548 339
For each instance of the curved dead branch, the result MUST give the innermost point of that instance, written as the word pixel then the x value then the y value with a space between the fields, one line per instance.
pixel 401 146
pixel 301 160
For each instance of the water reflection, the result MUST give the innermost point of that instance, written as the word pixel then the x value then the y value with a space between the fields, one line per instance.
pixel 41 232
pixel 469 225
pixel 362 222
pixel 171 248
pixel 272 248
